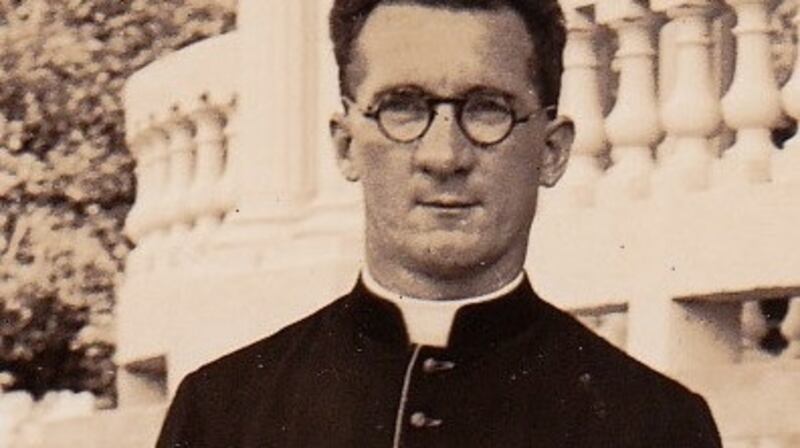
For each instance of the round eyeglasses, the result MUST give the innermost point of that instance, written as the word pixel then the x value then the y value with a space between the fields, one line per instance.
pixel 485 118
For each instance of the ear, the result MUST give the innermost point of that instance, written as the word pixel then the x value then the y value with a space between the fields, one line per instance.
pixel 342 140
pixel 559 135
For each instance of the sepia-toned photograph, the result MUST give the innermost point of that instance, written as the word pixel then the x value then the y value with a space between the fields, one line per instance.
pixel 399 223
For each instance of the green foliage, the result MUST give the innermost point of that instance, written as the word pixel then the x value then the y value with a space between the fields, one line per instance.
pixel 66 177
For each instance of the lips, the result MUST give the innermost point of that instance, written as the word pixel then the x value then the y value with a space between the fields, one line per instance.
pixel 448 202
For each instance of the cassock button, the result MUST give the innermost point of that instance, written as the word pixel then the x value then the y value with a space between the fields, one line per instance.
pixel 432 365
pixel 420 420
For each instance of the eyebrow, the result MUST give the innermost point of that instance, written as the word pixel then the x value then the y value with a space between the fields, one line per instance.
pixel 414 88
pixel 396 89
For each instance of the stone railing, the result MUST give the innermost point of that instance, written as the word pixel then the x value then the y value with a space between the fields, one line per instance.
pixel 181 130
pixel 181 114
pixel 235 179
pixel 682 147
pixel 684 82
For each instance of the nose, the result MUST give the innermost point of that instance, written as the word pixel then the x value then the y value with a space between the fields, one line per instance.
pixel 444 150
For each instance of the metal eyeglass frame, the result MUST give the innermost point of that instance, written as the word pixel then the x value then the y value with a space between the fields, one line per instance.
pixel 432 103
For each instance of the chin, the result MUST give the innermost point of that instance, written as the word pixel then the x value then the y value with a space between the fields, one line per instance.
pixel 452 254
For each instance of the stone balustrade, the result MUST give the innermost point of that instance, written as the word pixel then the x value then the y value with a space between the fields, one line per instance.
pixel 181 120
pixel 181 117
pixel 671 106
pixel 678 114
pixel 235 178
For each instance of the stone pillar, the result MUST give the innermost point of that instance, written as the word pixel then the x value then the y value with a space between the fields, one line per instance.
pixel 161 173
pixel 786 164
pixel 691 112
pixel 142 151
pixel 633 126
pixel 175 212
pixel 275 162
pixel 146 222
pixel 752 105
pixel 581 100
pixel 210 124
pixel 226 198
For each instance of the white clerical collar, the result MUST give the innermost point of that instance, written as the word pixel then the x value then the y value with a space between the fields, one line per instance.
pixel 428 322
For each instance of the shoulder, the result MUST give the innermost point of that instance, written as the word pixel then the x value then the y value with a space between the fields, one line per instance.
pixel 245 368
pixel 623 392
pixel 576 346
pixel 212 402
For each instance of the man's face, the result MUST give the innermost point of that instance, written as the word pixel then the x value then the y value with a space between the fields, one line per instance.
pixel 443 205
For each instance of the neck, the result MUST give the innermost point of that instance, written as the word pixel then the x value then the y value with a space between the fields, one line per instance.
pixel 469 282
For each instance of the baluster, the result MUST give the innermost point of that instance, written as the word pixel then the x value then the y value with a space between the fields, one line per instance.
pixel 210 140
pixel 633 126
pixel 162 161
pixel 691 112
pixel 136 223
pixel 141 150
pixel 581 101
pixel 176 213
pixel 786 164
pixel 156 222
pixel 181 166
pixel 754 328
pixel 146 223
pixel 752 104
pixel 225 197
pixel 153 182
pixel 791 329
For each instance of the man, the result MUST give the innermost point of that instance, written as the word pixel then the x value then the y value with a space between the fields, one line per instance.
pixel 449 125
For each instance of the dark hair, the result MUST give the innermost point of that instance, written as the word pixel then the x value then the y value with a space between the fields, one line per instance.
pixel 543 18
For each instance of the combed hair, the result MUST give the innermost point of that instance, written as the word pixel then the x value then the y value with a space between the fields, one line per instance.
pixel 543 19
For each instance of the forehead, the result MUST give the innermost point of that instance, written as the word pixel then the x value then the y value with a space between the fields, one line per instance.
pixel 445 51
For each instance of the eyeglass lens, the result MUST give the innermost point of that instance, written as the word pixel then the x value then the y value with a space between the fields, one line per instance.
pixel 486 119
pixel 404 117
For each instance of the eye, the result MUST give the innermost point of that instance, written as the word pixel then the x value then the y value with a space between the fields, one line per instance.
pixel 487 110
pixel 403 108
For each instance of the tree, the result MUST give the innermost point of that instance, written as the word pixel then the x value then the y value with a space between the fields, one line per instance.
pixel 66 176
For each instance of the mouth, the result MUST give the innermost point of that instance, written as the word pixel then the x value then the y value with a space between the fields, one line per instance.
pixel 447 203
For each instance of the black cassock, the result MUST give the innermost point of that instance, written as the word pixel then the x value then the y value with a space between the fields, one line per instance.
pixel 517 372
